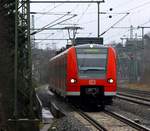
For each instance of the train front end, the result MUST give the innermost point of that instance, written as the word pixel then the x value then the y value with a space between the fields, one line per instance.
pixel 92 73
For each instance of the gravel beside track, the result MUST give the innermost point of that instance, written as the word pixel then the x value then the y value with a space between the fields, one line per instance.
pixel 110 123
pixel 134 111
pixel 72 121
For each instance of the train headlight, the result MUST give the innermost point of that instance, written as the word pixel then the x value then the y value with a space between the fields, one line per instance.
pixel 91 45
pixel 72 80
pixel 110 80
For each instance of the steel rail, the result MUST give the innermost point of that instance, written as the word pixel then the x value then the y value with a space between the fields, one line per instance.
pixel 127 121
pixel 115 115
pixel 141 102
pixel 134 96
pixel 88 118
pixel 135 91
pixel 92 121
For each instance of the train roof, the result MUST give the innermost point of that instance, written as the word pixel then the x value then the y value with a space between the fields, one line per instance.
pixel 82 46
pixel 91 46
pixel 59 55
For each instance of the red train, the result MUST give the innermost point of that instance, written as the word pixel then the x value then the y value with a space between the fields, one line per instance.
pixel 85 73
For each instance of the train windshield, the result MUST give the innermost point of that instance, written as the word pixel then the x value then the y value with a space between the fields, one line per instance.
pixel 92 62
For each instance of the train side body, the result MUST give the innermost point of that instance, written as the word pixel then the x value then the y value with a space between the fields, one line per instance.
pixel 85 72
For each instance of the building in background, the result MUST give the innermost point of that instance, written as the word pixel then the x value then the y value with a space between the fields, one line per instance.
pixel 130 60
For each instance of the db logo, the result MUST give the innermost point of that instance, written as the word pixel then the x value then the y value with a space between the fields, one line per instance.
pixel 92 82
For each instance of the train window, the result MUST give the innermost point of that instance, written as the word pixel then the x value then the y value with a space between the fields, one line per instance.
pixel 92 63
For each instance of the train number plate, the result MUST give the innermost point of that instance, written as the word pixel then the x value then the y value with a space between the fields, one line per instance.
pixel 92 91
pixel 92 82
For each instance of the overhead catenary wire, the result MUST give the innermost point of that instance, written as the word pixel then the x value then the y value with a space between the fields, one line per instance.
pixel 56 19
pixel 84 12
pixel 145 23
pixel 139 6
pixel 72 10
pixel 47 37
pixel 53 25
pixel 75 8
pixel 135 28
pixel 132 11
pixel 114 24
pixel 124 3
pixel 50 10
pixel 134 8
pixel 117 35
pixel 85 9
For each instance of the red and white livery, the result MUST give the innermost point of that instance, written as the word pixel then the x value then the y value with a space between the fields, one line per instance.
pixel 85 72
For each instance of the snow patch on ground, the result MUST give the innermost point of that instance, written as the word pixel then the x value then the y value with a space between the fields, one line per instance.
pixel 46 116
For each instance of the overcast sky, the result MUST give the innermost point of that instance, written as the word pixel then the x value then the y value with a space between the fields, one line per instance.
pixel 87 19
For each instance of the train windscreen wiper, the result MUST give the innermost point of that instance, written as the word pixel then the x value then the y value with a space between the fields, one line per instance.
pixel 92 69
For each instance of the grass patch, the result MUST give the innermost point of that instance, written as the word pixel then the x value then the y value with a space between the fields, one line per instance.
pixel 138 86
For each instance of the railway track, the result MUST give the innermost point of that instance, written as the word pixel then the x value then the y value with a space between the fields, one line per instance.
pixel 133 98
pixel 128 121
pixel 106 121
pixel 94 122
pixel 141 93
pixel 109 121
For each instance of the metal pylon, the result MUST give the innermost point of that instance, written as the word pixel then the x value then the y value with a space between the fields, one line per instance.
pixel 22 59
